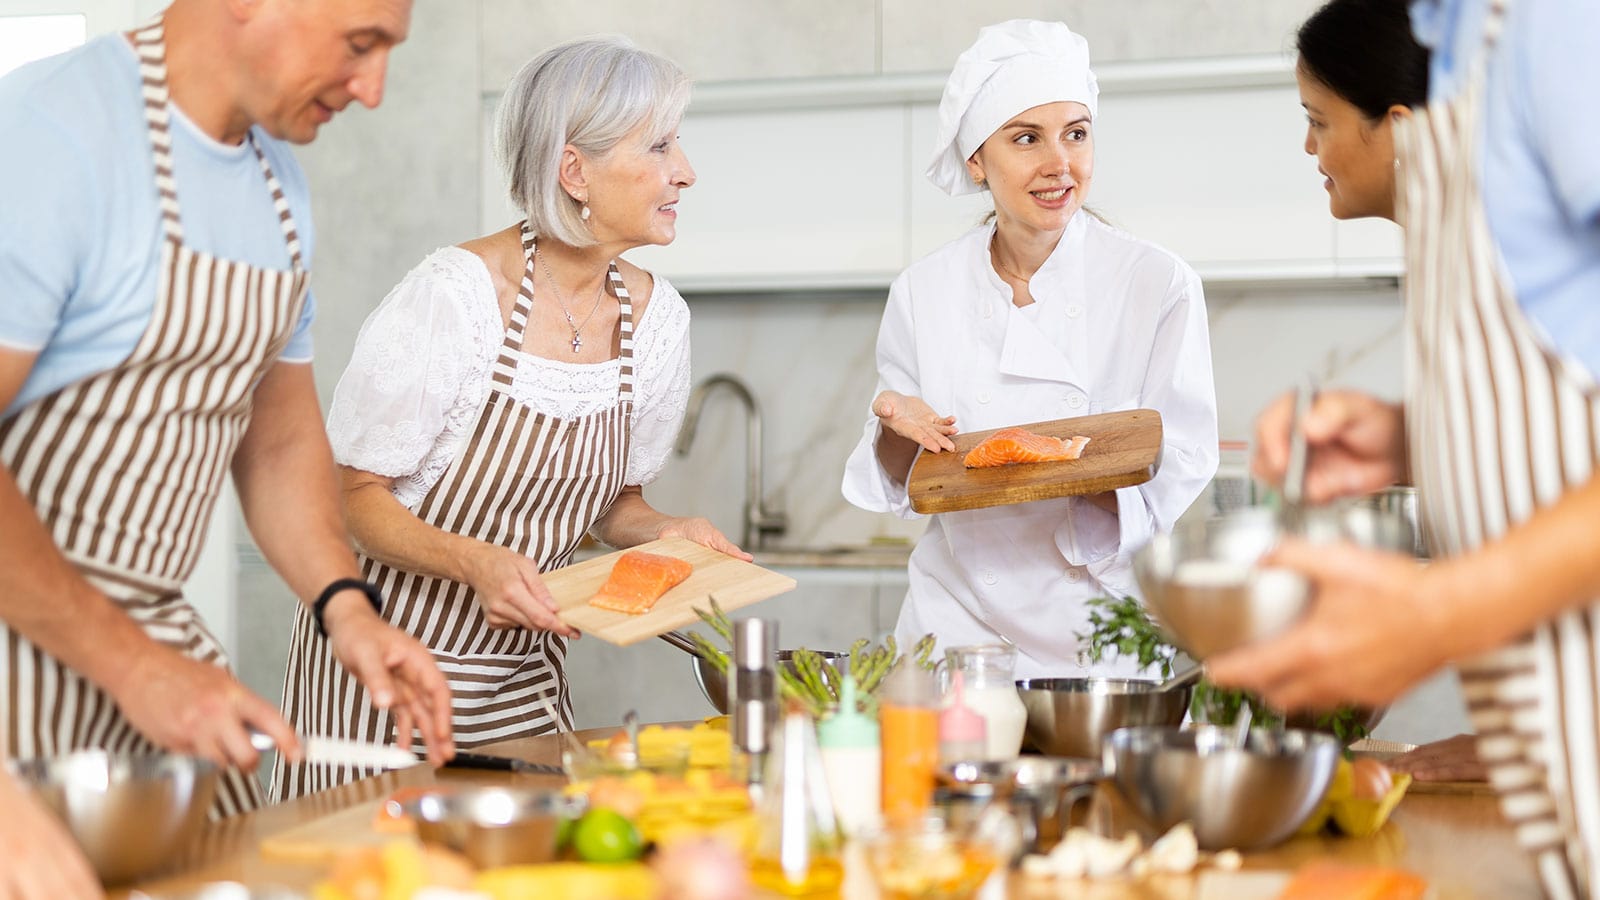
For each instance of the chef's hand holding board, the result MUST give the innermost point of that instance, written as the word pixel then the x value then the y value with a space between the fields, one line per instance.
pixel 1036 461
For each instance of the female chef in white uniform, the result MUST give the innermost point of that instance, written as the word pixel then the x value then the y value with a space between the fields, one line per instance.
pixel 1046 312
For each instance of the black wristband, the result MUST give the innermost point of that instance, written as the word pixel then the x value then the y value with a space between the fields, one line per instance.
pixel 344 584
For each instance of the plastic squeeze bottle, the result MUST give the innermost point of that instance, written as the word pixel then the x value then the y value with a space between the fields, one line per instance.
pixel 852 760
pixel 963 734
pixel 908 716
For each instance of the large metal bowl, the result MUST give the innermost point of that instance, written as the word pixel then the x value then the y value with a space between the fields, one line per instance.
pixel 1247 797
pixel 493 826
pixel 714 684
pixel 131 813
pixel 1071 716
pixel 1203 584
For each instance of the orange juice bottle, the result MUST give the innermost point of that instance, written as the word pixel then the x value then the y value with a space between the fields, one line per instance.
pixel 908 721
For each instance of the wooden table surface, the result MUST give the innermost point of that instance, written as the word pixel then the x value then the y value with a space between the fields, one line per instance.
pixel 1458 842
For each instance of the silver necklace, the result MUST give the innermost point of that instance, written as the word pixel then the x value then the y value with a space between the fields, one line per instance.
pixel 577 342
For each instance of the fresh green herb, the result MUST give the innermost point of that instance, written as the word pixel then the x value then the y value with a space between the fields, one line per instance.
pixel 1123 626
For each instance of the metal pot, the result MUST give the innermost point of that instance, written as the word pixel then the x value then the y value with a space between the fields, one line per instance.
pixel 714 684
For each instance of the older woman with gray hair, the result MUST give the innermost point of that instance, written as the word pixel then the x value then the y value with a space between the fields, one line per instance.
pixel 511 395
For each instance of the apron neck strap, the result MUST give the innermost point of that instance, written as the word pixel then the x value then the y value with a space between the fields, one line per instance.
pixel 149 43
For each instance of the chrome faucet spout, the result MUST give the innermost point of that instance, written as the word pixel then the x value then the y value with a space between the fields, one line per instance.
pixel 758 520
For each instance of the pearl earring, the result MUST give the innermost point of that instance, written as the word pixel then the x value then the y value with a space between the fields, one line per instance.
pixel 584 213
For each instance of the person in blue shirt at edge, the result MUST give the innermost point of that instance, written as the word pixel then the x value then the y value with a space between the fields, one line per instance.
pixel 154 337
pixel 1499 192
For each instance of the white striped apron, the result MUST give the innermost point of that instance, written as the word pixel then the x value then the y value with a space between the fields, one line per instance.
pixel 524 480
pixel 124 467
pixel 1498 427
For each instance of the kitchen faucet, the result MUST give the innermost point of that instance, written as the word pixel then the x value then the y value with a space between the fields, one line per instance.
pixel 758 520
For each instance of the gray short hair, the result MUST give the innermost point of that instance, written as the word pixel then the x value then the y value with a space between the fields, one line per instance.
pixel 589 93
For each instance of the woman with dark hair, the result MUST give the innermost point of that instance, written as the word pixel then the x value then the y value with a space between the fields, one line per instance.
pixel 1360 71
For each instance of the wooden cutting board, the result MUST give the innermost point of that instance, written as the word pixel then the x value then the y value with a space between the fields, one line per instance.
pixel 322 840
pixel 1124 450
pixel 734 583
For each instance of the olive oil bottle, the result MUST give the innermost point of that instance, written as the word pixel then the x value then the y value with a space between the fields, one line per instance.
pixel 798 850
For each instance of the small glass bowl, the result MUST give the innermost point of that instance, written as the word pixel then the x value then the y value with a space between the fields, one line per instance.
pixel 928 859
pixel 671 761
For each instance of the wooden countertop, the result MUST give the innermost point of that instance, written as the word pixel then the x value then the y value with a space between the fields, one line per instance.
pixel 1457 841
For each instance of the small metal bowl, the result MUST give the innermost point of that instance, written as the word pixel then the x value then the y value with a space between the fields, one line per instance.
pixel 1247 797
pixel 1041 791
pixel 714 684
pixel 130 813
pixel 493 826
pixel 1071 716
pixel 1205 587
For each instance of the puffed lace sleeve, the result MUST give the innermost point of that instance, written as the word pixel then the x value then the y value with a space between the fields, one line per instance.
pixel 661 350
pixel 420 367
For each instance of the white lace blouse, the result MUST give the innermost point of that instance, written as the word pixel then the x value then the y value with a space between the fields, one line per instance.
pixel 423 364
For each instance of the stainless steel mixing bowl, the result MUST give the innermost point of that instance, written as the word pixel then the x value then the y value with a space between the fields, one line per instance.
pixel 1246 797
pixel 493 826
pixel 131 813
pixel 715 685
pixel 1071 716
pixel 1203 584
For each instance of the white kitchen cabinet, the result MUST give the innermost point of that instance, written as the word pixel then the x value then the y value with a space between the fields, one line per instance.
pixel 819 183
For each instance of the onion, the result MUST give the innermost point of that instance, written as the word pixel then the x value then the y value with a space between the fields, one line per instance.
pixel 702 869
pixel 1371 779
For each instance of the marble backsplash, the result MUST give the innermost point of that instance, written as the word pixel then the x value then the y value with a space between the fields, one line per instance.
pixel 809 361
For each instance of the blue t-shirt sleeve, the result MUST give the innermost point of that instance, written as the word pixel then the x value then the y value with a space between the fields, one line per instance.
pixel 1558 68
pixel 46 223
pixel 298 193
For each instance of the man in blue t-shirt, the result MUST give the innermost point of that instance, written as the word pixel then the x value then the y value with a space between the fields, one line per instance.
pixel 82 238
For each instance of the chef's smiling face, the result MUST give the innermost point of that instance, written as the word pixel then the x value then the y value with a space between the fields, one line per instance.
pixel 633 190
pixel 315 58
pixel 1038 165
pixel 1355 154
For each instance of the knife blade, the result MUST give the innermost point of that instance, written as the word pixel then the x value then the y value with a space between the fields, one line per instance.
pixel 340 752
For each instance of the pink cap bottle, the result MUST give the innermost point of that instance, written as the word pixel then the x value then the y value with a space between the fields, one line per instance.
pixel 962 731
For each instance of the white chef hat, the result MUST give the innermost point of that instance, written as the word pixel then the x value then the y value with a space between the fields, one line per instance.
pixel 1013 66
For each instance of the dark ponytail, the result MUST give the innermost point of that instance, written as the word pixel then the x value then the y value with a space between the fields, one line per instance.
pixel 1363 50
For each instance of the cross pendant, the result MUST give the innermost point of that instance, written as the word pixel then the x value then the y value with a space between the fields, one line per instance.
pixel 577 342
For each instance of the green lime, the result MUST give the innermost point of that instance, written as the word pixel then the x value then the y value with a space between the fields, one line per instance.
pixel 605 835
pixel 564 832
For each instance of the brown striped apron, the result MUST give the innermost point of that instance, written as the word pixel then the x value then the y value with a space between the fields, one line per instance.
pixel 1499 426
pixel 523 480
pixel 125 466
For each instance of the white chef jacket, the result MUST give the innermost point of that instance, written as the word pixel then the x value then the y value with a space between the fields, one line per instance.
pixel 1117 324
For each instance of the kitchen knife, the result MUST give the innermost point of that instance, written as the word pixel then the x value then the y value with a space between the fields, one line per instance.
pixel 463 760
pixel 338 752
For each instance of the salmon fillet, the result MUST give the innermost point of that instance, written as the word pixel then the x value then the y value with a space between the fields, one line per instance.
pixel 1018 445
pixel 1336 881
pixel 638 580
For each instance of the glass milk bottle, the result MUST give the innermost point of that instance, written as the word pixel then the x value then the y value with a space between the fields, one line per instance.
pixel 990 688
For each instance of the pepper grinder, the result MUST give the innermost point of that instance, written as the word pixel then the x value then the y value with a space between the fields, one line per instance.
pixel 753 694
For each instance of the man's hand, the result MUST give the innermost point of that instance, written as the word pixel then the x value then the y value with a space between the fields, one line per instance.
pixel 41 861
pixel 1355 444
pixel 1378 624
pixel 196 708
pixel 398 672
